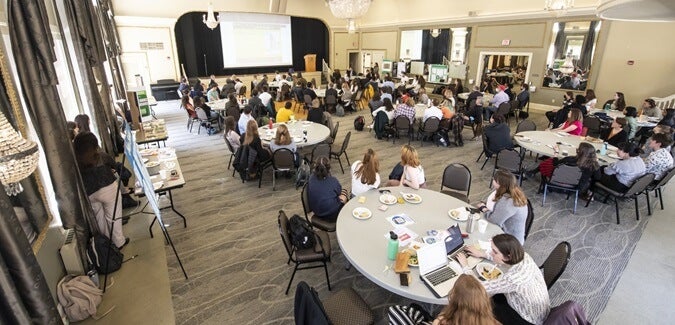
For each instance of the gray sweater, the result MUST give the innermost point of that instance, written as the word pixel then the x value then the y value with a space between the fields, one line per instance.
pixel 509 217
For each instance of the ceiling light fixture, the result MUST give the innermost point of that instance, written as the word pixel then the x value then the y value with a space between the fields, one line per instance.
pixel 349 10
pixel 210 18
pixel 435 32
pixel 559 7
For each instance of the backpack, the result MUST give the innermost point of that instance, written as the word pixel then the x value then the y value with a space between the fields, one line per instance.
pixel 79 297
pixel 339 110
pixel 302 175
pixel 301 233
pixel 240 162
pixel 102 250
pixel 359 123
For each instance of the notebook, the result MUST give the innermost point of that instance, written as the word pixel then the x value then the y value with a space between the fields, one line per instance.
pixel 454 244
pixel 435 271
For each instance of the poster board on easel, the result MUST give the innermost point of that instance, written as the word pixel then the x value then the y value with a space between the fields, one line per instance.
pixel 417 67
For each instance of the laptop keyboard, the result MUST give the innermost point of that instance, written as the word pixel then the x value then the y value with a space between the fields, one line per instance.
pixel 454 254
pixel 441 275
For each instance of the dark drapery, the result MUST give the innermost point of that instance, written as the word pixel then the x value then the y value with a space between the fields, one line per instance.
pixel 34 57
pixel 25 295
pixel 89 46
pixel 435 48
pixel 200 48
pixel 559 43
pixel 587 49
pixel 109 32
pixel 32 197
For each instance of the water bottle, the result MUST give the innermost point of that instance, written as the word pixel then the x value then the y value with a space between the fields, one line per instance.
pixel 603 149
pixel 470 224
pixel 392 248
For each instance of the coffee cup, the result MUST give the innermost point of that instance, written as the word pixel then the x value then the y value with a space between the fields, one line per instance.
pixel 482 225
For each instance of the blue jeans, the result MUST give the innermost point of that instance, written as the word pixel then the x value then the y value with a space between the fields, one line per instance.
pixel 488 111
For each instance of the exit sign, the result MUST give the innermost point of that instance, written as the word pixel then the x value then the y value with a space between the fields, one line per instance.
pixel 506 42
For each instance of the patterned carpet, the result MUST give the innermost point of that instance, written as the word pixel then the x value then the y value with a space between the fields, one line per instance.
pixel 232 251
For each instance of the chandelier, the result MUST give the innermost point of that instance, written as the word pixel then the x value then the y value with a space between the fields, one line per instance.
pixel 558 6
pixel 18 157
pixel 435 32
pixel 210 18
pixel 350 10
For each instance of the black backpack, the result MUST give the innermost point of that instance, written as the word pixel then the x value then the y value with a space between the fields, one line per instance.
pixel 301 233
pixel 359 123
pixel 104 255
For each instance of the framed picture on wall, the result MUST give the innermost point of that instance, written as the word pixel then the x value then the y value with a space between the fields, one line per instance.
pixel 386 66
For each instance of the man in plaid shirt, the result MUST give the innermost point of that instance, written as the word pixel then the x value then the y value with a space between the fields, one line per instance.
pixel 407 109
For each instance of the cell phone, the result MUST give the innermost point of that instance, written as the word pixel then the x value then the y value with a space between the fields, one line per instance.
pixel 404 278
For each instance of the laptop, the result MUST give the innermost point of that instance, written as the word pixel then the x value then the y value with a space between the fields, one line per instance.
pixel 454 244
pixel 435 271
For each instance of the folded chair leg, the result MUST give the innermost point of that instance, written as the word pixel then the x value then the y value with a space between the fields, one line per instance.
pixel 576 198
pixel 340 161
pixel 274 180
pixel 660 197
pixel 545 190
pixel 616 205
pixel 637 210
pixel 347 158
pixel 481 155
pixel 325 268
pixel 649 205
pixel 486 160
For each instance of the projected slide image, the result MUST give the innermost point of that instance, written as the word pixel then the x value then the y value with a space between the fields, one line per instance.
pixel 256 40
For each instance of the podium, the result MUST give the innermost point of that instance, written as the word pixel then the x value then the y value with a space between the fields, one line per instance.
pixel 310 63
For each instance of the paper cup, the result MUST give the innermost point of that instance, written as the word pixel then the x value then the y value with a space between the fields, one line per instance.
pixel 162 174
pixel 482 226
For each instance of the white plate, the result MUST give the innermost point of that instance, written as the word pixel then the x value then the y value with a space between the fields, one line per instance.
pixel 460 214
pixel 145 160
pixel 362 213
pixel 613 155
pixel 612 148
pixel 169 164
pixel 148 152
pixel 157 185
pixel 388 199
pixel 412 198
pixel 152 164
pixel 487 266
pixel 298 139
pixel 525 139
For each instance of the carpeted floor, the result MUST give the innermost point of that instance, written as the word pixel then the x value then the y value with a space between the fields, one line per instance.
pixel 232 251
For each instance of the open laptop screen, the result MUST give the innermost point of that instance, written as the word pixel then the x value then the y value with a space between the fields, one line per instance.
pixel 454 241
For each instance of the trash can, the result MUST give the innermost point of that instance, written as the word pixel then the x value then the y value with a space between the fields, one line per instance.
pixel 310 62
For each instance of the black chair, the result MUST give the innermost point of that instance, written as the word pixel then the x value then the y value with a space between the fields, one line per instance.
pixel 555 263
pixel 343 151
pixel 316 256
pixel 308 102
pixel 333 133
pixel 486 151
pixel 320 150
pixel 430 127
pixel 204 120
pixel 530 219
pixel 526 125
pixel 402 124
pixel 283 160
pixel 232 153
pixel 262 165
pixel 511 160
pixel 565 178
pixel 457 177
pixel 322 224
pixel 330 102
pixel 638 187
pixel 345 307
pixel 592 125
pixel 504 109
pixel 656 187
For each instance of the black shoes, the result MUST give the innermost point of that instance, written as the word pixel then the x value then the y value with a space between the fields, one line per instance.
pixel 126 241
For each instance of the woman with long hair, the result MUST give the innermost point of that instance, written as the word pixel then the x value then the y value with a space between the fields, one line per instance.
pixel 506 206
pixel 100 184
pixel 669 118
pixel 586 159
pixel 252 139
pixel 520 295
pixel 468 304
pixel 231 134
pixel 616 134
pixel 232 107
pixel 325 195
pixel 283 139
pixel 365 174
pixel 591 100
pixel 82 121
pixel 387 108
pixel 574 123
pixel 619 103
pixel 413 173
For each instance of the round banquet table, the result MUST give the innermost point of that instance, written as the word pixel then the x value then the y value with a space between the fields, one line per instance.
pixel 316 133
pixel 544 142
pixel 643 122
pixel 364 244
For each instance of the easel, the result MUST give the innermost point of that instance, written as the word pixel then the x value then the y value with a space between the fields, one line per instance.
pixel 131 150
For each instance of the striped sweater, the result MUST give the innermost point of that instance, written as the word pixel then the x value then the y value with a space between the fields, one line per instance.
pixel 525 290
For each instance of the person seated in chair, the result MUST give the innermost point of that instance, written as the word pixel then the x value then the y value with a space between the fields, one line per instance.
pixel 646 149
pixel 500 98
pixel 406 109
pixel 474 117
pixel 617 134
pixel 586 159
pixel 498 134
pixel 553 116
pixel 315 113
pixel 232 107
pixel 231 134
pixel 620 175
pixel 284 114
pixel 574 123
pixel 506 206
pixel 432 111
pixel 365 174
pixel 199 103
pixel 523 96
pixel 252 139
pixel 413 173
pixel 244 119
pixel 659 160
pixel 520 295
pixel 308 91
pixel 325 195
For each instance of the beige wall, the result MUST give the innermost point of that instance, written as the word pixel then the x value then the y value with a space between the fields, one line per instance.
pixel 341 44
pixel 652 48
pixel 381 40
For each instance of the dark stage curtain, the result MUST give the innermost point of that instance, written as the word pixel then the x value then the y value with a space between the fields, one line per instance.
pixel 587 49
pixel 435 48
pixel 25 295
pixel 560 40
pixel 34 58
pixel 200 48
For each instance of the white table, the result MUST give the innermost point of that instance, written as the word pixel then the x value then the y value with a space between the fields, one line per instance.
pixel 543 142
pixel 316 133
pixel 487 97
pixel 364 245
pixel 642 122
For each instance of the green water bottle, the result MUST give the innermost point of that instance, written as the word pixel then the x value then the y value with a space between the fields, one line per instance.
pixel 392 248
